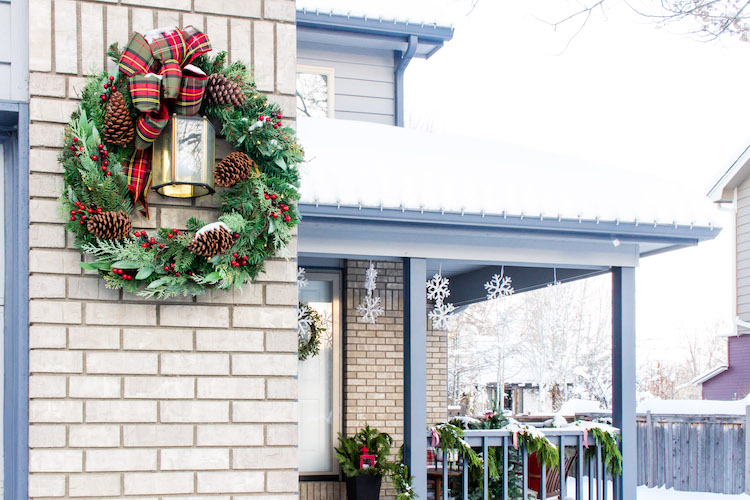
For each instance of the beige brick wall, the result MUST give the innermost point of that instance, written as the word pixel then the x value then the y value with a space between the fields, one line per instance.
pixel 374 392
pixel 133 397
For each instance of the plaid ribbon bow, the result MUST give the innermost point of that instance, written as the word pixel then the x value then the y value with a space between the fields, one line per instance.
pixel 160 76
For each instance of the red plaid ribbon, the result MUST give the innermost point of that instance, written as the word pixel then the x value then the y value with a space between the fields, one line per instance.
pixel 155 66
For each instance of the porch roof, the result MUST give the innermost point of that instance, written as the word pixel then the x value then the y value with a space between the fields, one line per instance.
pixel 362 173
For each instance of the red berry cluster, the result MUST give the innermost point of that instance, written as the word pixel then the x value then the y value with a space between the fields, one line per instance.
pixel 174 233
pixel 282 208
pixel 148 242
pixel 108 87
pixel 274 116
pixel 238 261
pixel 169 268
pixel 80 213
pixel 103 159
pixel 123 274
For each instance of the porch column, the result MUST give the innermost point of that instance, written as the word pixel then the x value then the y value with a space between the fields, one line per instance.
pixel 623 376
pixel 415 372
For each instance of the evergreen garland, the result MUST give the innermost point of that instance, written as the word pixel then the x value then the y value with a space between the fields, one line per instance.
pixel 158 263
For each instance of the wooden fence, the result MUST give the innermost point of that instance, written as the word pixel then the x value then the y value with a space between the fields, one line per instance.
pixel 693 453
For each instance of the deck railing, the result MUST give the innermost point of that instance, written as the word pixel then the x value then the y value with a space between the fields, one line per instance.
pixel 591 479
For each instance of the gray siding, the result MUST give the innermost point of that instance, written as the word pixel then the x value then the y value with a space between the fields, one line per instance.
pixel 364 80
pixel 743 250
pixel 14 70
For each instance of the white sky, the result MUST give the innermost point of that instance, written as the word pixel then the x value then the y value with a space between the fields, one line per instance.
pixel 625 94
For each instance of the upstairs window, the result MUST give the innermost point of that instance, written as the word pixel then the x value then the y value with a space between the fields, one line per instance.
pixel 315 91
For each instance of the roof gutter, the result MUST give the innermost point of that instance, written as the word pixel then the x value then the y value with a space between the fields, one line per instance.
pixel 402 61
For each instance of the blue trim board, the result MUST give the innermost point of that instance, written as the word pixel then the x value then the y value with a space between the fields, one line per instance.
pixel 16 327
pixel 625 231
pixel 392 28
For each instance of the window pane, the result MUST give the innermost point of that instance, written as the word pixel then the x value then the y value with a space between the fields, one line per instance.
pixel 315 387
pixel 312 95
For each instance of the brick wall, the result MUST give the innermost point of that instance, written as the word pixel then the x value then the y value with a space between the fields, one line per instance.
pixel 374 391
pixel 137 397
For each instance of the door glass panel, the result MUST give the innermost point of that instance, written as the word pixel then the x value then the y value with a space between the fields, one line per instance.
pixel 316 386
pixel 312 95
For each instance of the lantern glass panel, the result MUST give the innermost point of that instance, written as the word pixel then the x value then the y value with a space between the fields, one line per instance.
pixel 183 158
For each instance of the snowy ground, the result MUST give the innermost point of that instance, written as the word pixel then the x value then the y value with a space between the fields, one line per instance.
pixel 645 493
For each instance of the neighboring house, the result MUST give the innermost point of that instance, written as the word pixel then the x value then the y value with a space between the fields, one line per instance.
pixel 108 395
pixel 732 381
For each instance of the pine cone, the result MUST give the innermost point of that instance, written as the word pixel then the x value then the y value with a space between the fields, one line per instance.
pixel 110 225
pixel 118 126
pixel 222 91
pixel 234 168
pixel 210 242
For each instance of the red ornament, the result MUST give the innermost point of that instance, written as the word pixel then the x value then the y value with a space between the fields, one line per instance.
pixel 278 115
pixel 72 217
pixel 170 235
pixel 234 263
pixel 105 152
pixel 278 123
pixel 111 78
pixel 267 196
pixel 166 268
pixel 273 196
pixel 287 218
pixel 78 203
pixel 145 245
pixel 152 240
pixel 235 254
pixel 82 223
pixel 236 235
pixel 72 148
pixel 106 85
pixel 109 173
pixel 91 210
pixel 80 148
pixel 101 146
pixel 104 169
pixel 75 139
pixel 105 162
pixel 137 234
pixel 94 157
pixel 161 245
pixel 176 274
pixel 104 97
pixel 98 210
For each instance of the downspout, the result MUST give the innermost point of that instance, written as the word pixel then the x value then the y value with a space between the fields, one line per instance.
pixel 402 63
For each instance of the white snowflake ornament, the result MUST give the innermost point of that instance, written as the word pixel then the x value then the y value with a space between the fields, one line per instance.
pixel 440 315
pixel 499 286
pixel 371 276
pixel 304 321
pixel 437 288
pixel 301 278
pixel 370 309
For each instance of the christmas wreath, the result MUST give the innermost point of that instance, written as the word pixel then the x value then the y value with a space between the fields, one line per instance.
pixel 310 329
pixel 106 165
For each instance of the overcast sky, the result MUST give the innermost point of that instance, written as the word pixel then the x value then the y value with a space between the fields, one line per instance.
pixel 623 94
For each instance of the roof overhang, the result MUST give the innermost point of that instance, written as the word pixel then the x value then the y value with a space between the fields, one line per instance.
pixel 709 375
pixel 723 190
pixel 336 29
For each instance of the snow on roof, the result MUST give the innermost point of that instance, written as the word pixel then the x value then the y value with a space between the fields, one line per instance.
pixel 694 406
pixel 359 164
pixel 709 374
pixel 431 12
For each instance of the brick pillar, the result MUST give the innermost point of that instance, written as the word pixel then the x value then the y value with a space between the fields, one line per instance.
pixel 139 397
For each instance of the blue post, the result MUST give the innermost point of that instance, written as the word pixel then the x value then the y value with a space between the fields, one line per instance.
pixel 415 372
pixel 623 376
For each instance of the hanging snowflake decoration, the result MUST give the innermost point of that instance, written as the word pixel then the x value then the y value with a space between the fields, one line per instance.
pixel 499 286
pixel 370 309
pixel 304 320
pixel 370 276
pixel 437 290
pixel 440 315
pixel 301 278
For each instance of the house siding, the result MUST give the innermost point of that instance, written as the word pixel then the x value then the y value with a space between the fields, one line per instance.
pixel 734 383
pixel 364 80
pixel 131 397
pixel 743 252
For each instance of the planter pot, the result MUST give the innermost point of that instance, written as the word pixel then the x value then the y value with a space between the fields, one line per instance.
pixel 364 487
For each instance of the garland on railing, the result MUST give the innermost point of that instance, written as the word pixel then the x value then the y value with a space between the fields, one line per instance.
pixel 451 437
pixel 606 437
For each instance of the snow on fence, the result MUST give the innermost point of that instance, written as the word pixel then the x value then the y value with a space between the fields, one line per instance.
pixel 705 453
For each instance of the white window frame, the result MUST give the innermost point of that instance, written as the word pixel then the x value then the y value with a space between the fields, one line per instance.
pixel 330 74
pixel 337 373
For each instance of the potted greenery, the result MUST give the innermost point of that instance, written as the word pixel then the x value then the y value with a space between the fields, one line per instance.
pixel 363 483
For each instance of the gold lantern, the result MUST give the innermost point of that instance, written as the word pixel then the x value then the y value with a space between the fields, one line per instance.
pixel 183 158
